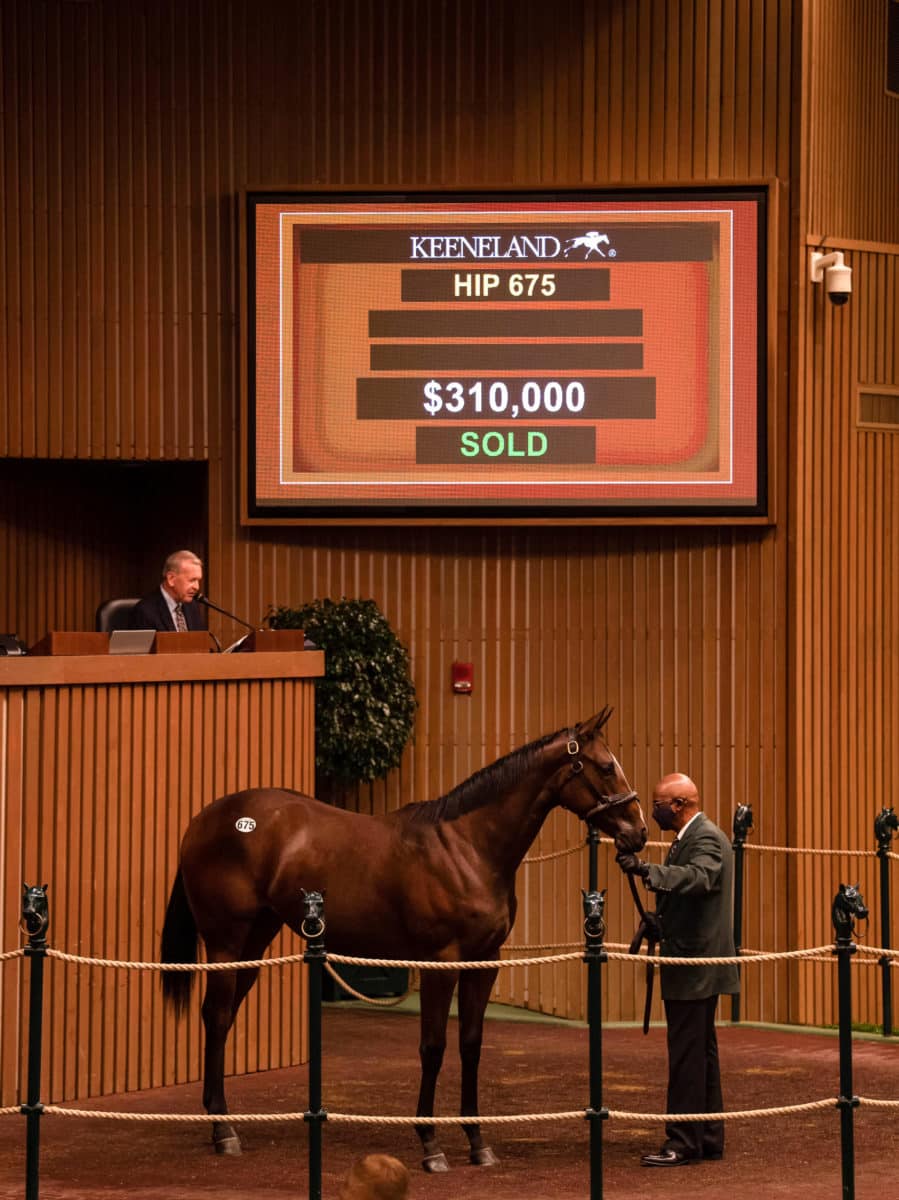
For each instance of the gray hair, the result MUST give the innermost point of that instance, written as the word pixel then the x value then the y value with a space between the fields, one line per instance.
pixel 176 561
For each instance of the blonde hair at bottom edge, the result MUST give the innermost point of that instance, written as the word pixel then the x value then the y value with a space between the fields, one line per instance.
pixel 376 1177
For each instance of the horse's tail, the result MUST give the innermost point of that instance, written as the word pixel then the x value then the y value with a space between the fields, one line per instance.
pixel 179 945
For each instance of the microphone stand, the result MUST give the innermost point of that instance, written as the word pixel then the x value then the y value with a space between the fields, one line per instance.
pixel 200 598
pixel 204 600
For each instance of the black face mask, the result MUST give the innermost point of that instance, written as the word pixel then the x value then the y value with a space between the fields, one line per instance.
pixel 663 815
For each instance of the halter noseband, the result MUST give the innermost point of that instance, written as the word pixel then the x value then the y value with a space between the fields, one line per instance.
pixel 603 802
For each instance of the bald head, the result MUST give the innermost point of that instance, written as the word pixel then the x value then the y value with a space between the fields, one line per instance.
pixel 675 801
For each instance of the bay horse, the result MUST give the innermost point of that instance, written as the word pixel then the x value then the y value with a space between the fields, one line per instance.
pixel 432 881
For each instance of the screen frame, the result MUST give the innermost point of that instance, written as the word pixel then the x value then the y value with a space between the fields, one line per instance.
pixel 488 513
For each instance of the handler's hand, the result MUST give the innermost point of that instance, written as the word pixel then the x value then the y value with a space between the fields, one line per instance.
pixel 631 865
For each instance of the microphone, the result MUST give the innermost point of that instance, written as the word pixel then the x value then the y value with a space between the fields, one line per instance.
pixel 201 599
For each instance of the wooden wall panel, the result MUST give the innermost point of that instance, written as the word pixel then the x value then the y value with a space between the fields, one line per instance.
pixel 851 130
pixel 97 785
pixel 844 709
pixel 847 574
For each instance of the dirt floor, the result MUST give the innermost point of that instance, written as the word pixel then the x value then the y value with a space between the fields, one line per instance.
pixel 370 1061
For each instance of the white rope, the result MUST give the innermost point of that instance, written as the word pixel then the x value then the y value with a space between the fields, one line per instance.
pixel 606 841
pixel 878 950
pixel 479 965
pixel 539 858
pixel 54 1110
pixel 735 959
pixel 155 966
pixel 392 1002
pixel 738 959
pixel 546 946
pixel 803 850
pixel 746 1114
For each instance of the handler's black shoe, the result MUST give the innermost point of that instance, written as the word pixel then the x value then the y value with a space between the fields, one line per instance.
pixel 666 1158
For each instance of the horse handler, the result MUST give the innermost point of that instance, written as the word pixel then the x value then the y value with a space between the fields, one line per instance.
pixel 695 905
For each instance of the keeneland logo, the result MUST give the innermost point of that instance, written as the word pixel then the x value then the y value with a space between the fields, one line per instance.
pixel 494 245
pixel 590 243
pixel 484 245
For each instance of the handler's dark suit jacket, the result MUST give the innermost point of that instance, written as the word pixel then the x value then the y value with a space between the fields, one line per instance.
pixel 153 613
pixel 695 904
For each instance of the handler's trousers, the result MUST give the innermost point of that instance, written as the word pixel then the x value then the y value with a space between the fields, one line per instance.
pixel 694 1077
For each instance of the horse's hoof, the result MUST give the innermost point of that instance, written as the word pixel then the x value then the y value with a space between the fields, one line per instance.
pixel 484 1158
pixel 435 1163
pixel 228 1145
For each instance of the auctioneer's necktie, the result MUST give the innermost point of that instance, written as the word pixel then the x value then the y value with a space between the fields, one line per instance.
pixel 180 622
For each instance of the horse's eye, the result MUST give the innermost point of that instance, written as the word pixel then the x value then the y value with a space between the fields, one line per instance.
pixel 607 768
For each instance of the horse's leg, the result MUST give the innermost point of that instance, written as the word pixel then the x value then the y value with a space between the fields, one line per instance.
pixel 218 1016
pixel 225 992
pixel 436 993
pixel 474 992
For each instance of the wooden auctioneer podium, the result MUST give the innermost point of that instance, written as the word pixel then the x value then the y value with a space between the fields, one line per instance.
pixel 104 759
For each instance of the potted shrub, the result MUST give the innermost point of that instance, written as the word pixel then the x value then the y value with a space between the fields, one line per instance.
pixel 365 703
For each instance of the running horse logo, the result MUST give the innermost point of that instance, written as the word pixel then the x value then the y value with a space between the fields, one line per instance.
pixel 591 243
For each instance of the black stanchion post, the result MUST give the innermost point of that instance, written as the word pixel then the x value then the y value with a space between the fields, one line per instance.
pixel 35 919
pixel 594 956
pixel 742 826
pixel 847 905
pixel 313 930
pixel 885 825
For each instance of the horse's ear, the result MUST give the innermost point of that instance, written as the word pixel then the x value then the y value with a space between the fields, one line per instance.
pixel 595 725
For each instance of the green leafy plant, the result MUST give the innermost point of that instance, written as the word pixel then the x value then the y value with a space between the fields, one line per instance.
pixel 365 703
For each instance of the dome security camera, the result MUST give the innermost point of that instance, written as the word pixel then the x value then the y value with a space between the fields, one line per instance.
pixel 835 275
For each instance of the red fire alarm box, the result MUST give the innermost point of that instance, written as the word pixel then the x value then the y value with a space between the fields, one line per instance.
pixel 463 678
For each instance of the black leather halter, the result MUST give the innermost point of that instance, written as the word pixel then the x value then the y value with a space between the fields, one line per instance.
pixel 603 802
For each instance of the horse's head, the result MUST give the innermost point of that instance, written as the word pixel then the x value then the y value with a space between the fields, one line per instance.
pixel 592 785
pixel 35 910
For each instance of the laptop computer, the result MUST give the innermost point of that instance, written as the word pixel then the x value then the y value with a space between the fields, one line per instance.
pixel 131 641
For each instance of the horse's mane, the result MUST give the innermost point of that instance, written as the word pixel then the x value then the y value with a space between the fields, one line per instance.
pixel 479 789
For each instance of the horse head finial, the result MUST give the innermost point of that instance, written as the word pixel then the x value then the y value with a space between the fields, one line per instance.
pixel 594 914
pixel 742 822
pixel 848 905
pixel 313 924
pixel 35 910
pixel 886 823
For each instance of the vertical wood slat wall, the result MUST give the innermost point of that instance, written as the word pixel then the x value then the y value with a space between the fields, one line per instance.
pixel 844 724
pixel 420 94
pixel 97 785
pixel 120 319
pixel 847 679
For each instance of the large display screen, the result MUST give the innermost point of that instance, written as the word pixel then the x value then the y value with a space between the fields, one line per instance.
pixel 515 355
